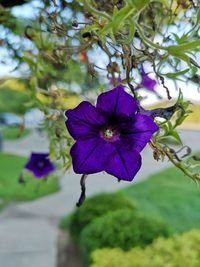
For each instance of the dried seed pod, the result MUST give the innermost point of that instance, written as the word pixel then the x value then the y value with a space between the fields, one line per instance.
pixel 54 91
pixel 113 67
pixel 55 116
pixel 91 70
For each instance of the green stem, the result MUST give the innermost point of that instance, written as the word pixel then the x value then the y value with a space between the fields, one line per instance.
pixel 170 49
pixel 179 165
pixel 94 10
pixel 186 46
pixel 149 42
pixel 165 151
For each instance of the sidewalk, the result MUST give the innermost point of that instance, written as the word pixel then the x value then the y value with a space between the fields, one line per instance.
pixel 29 231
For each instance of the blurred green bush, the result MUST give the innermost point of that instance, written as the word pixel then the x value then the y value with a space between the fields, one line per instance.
pixel 177 251
pixel 95 207
pixel 14 132
pixel 13 101
pixel 123 228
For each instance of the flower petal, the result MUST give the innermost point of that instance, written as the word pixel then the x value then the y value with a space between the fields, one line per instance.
pixel 117 103
pixel 124 163
pixel 96 155
pixel 88 156
pixel 148 83
pixel 32 164
pixel 138 132
pixel 44 172
pixel 35 157
pixel 84 121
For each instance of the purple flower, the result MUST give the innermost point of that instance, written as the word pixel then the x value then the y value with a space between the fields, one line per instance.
pixel 165 113
pixel 39 164
pixel 147 82
pixel 110 136
pixel 118 79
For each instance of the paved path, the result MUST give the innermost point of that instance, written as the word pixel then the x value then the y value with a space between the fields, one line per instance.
pixel 28 231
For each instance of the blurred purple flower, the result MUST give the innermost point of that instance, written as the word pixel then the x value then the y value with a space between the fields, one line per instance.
pixel 39 164
pixel 118 79
pixel 110 136
pixel 147 82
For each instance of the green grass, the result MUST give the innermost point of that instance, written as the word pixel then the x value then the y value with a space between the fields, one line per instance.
pixel 194 116
pixel 11 190
pixel 13 132
pixel 170 195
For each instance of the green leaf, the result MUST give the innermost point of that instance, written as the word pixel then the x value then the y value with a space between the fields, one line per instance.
pixel 130 35
pixel 194 70
pixel 176 136
pixel 118 19
pixel 107 28
pixel 172 75
pixel 168 140
pixel 33 82
pixel 181 40
pixel 181 56
pixel 139 4
pixel 173 49
pixel 121 16
pixel 198 15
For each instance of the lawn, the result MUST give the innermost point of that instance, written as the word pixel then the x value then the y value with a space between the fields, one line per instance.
pixel 13 132
pixel 171 195
pixel 11 190
pixel 194 116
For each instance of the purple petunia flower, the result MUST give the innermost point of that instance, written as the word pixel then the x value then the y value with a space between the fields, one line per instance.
pixel 118 79
pixel 110 136
pixel 147 82
pixel 39 164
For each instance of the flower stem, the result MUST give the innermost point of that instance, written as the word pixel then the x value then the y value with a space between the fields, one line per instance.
pixel 92 9
pixel 83 190
pixel 149 42
pixel 166 151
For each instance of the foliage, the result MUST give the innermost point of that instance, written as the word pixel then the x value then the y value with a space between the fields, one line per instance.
pixel 177 251
pixel 96 207
pixel 169 195
pixel 14 132
pixel 168 128
pixel 121 228
pixel 192 119
pixel 13 84
pixel 13 101
pixel 12 190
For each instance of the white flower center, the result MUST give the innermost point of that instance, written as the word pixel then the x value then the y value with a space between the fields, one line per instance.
pixel 108 133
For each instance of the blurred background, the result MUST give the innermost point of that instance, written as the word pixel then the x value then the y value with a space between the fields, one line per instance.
pixel 153 221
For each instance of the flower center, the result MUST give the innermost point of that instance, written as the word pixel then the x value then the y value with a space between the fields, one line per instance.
pixel 110 134
pixel 40 164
